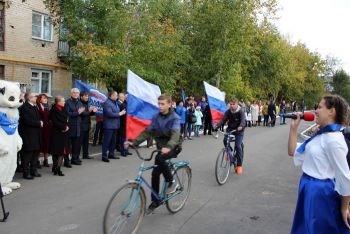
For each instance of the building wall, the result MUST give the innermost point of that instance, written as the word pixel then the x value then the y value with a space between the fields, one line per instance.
pixel 23 53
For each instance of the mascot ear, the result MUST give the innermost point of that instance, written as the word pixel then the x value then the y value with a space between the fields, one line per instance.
pixel 2 91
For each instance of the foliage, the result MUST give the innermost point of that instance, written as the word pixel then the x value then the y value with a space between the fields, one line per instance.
pixel 232 44
pixel 341 84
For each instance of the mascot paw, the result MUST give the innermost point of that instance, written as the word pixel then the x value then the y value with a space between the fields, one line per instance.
pixel 6 190
pixel 13 185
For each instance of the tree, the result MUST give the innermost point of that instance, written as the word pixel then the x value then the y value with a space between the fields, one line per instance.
pixel 341 84
pixel 232 44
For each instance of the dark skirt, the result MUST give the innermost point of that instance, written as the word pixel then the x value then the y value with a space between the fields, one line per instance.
pixel 58 142
pixel 318 208
pixel 45 138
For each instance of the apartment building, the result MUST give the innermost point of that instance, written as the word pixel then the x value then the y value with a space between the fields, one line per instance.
pixel 30 50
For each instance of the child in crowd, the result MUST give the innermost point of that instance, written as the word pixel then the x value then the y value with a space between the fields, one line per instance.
pixel 198 123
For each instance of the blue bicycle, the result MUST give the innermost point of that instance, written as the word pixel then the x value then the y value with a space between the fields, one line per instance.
pixel 126 208
pixel 226 159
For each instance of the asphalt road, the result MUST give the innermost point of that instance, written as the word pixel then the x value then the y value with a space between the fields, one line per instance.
pixel 260 201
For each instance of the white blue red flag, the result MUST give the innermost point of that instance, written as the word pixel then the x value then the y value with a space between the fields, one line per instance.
pixel 216 100
pixel 96 97
pixel 142 104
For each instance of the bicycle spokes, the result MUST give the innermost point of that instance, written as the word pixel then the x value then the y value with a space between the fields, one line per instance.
pixel 119 224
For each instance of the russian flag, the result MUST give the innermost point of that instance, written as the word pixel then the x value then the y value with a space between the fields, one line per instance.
pixel 142 104
pixel 216 100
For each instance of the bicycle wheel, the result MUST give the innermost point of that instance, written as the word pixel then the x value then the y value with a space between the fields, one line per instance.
pixel 125 210
pixel 222 167
pixel 183 177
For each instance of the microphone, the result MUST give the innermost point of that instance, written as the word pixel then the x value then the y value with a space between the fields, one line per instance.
pixel 308 116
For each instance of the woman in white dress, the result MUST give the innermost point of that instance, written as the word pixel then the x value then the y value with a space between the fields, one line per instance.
pixel 324 189
pixel 255 113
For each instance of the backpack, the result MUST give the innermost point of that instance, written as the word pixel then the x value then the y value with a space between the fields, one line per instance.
pixel 191 117
pixel 346 133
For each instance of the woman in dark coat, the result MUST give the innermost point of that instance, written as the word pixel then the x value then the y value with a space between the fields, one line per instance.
pixel 59 134
pixel 41 103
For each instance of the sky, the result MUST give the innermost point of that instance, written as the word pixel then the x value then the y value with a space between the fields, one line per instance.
pixel 323 25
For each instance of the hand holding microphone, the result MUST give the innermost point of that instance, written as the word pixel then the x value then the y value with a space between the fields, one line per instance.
pixel 307 116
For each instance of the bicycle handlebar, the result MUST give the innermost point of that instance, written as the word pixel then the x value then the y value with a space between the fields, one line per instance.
pixel 142 158
pixel 225 133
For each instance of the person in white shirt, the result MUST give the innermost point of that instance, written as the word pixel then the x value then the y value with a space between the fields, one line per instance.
pixel 324 189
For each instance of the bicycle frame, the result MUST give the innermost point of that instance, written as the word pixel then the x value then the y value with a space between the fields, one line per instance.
pixel 230 152
pixel 161 198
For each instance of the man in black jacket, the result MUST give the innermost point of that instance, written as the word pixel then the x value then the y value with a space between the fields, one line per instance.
pixel 271 109
pixel 30 124
pixel 85 124
pixel 75 109
pixel 235 119
pixel 121 136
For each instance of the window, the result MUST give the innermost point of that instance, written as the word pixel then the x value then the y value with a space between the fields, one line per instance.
pixel 2 25
pixel 41 81
pixel 2 72
pixel 41 27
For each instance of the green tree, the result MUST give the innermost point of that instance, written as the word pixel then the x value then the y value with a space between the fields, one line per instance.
pixel 341 84
pixel 232 44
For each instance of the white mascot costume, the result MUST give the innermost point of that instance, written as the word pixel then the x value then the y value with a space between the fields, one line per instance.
pixel 10 141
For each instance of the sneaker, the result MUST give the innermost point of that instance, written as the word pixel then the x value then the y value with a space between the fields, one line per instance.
pixel 239 170
pixel 171 187
pixel 152 207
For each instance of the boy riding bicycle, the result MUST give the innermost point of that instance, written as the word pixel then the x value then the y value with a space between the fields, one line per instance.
pixel 235 118
pixel 165 129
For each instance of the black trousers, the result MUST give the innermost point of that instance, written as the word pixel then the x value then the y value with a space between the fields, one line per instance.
pixel 266 120
pixel 84 142
pixel 207 126
pixel 273 119
pixel 162 168
pixel 74 147
pixel 30 160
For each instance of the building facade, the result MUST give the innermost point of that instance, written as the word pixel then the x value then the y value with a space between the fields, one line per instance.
pixel 30 49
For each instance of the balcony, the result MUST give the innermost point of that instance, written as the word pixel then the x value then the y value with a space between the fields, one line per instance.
pixel 63 49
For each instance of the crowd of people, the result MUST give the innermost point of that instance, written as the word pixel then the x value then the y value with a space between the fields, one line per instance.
pixel 197 116
pixel 63 131
pixel 63 128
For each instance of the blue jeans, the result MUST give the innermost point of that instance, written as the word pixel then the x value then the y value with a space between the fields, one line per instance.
pixel 109 141
pixel 189 129
pixel 196 130
pixel 282 117
pixel 238 147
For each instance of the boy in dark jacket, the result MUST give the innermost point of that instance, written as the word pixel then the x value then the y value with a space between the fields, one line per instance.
pixel 165 128
pixel 235 119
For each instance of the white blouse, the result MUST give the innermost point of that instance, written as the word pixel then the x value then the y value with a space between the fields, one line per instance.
pixel 325 158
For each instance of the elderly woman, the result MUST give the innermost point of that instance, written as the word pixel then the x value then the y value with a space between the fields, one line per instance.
pixel 59 134
pixel 41 103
